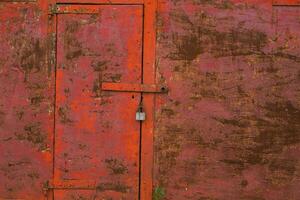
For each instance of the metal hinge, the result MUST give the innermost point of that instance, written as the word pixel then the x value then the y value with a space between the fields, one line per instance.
pixel 53 9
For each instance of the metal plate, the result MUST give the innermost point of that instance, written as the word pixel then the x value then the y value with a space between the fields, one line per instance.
pixel 96 135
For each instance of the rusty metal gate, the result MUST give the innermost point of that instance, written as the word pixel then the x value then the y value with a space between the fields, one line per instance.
pixel 149 99
pixel 101 71
pixel 99 86
pixel 96 136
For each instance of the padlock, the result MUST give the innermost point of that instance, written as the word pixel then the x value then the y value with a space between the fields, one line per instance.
pixel 140 114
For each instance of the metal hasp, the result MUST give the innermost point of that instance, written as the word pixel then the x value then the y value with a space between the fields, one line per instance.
pixel 127 87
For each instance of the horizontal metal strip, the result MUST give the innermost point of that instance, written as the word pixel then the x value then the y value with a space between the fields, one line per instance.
pixel 78 9
pixel 286 2
pixel 128 87
pixel 71 184
pixel 102 1
pixel 17 1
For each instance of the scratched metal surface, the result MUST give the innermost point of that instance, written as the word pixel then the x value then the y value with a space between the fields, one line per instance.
pixel 97 137
pixel 26 106
pixel 229 128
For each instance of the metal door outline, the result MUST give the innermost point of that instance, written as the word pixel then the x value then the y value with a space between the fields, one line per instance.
pixel 148 78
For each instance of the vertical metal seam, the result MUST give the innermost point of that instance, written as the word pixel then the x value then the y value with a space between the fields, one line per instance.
pixel 141 100
pixel 55 94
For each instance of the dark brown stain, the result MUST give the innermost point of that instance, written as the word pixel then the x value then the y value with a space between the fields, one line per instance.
pixel 283 128
pixel 116 78
pixel 2 117
pixel 63 114
pixel 99 66
pixel 73 48
pixel 221 4
pixel 116 166
pixel 77 197
pixel 234 122
pixel 265 123
pixel 18 163
pixel 206 198
pixel 37 99
pixel 188 47
pixel 244 183
pixel 97 88
pixel 279 129
pixel 33 134
pixel 168 147
pixel 36 93
pixel 20 113
pixel 117 187
pixel 237 42
pixel 287 166
pixel 203 37
pixel 168 112
pixel 33 175
pixel 29 53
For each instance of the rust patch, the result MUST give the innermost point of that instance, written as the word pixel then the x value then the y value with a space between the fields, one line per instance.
pixel 34 135
pixel 73 47
pixel 188 47
pixel 20 113
pixel 168 145
pixel 2 117
pixel 97 88
pixel 63 114
pixel 116 166
pixel 117 187
pixel 28 52
pixel 279 129
pixel 33 175
pixel 37 92
pixel 226 69
pixel 202 37
pixel 99 66
pixel 282 171
pixel 221 4
pixel 237 42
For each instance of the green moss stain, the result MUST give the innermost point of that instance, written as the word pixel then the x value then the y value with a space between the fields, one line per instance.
pixel 158 193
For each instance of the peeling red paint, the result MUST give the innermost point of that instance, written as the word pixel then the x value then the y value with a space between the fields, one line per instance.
pixel 228 128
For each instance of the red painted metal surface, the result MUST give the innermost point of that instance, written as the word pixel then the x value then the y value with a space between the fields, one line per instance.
pixel 73 73
pixel 229 128
pixel 96 135
pixel 26 103
pixel 125 87
pixel 286 2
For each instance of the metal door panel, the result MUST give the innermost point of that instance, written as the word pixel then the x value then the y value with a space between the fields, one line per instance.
pixel 26 117
pixel 96 135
